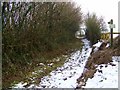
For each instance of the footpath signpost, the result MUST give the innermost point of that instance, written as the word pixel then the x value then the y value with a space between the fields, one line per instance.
pixel 111 26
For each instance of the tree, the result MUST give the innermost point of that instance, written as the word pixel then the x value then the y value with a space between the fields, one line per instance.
pixel 34 28
pixel 94 27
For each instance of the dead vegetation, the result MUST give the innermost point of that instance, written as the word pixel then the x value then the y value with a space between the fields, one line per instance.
pixel 102 56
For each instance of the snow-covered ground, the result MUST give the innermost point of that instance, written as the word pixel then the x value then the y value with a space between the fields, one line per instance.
pixel 106 76
pixel 65 76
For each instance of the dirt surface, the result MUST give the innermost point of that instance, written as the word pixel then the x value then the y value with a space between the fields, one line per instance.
pixel 102 56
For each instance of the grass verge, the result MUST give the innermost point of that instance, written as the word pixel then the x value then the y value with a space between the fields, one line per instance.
pixel 25 74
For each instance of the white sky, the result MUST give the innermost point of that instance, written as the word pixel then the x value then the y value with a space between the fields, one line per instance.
pixel 106 8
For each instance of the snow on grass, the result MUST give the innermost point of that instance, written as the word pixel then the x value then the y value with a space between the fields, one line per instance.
pixel 107 78
pixel 20 85
pixel 66 75
pixel 97 44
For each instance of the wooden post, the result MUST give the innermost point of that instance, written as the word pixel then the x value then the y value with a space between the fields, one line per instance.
pixel 111 25
pixel 111 33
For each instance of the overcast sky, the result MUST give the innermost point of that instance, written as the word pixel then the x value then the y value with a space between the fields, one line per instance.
pixel 106 8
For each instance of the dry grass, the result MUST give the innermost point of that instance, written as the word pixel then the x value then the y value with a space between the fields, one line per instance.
pixel 24 73
pixel 103 56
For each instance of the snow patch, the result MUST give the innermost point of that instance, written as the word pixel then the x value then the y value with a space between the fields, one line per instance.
pixel 20 85
pixel 66 75
pixel 107 78
pixel 97 44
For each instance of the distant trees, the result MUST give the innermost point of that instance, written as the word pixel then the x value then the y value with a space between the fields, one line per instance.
pixel 30 28
pixel 94 27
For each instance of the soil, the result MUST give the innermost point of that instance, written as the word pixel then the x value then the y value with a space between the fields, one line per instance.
pixel 102 56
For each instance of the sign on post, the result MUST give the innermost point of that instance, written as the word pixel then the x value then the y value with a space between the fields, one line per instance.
pixel 111 26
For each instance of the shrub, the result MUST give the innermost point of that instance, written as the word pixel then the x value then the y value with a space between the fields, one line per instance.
pixel 94 27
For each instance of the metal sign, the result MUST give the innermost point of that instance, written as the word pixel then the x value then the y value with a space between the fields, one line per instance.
pixel 112 26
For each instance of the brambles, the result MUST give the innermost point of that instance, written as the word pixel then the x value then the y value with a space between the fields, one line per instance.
pixel 35 29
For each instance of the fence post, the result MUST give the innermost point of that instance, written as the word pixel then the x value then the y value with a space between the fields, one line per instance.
pixel 111 31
